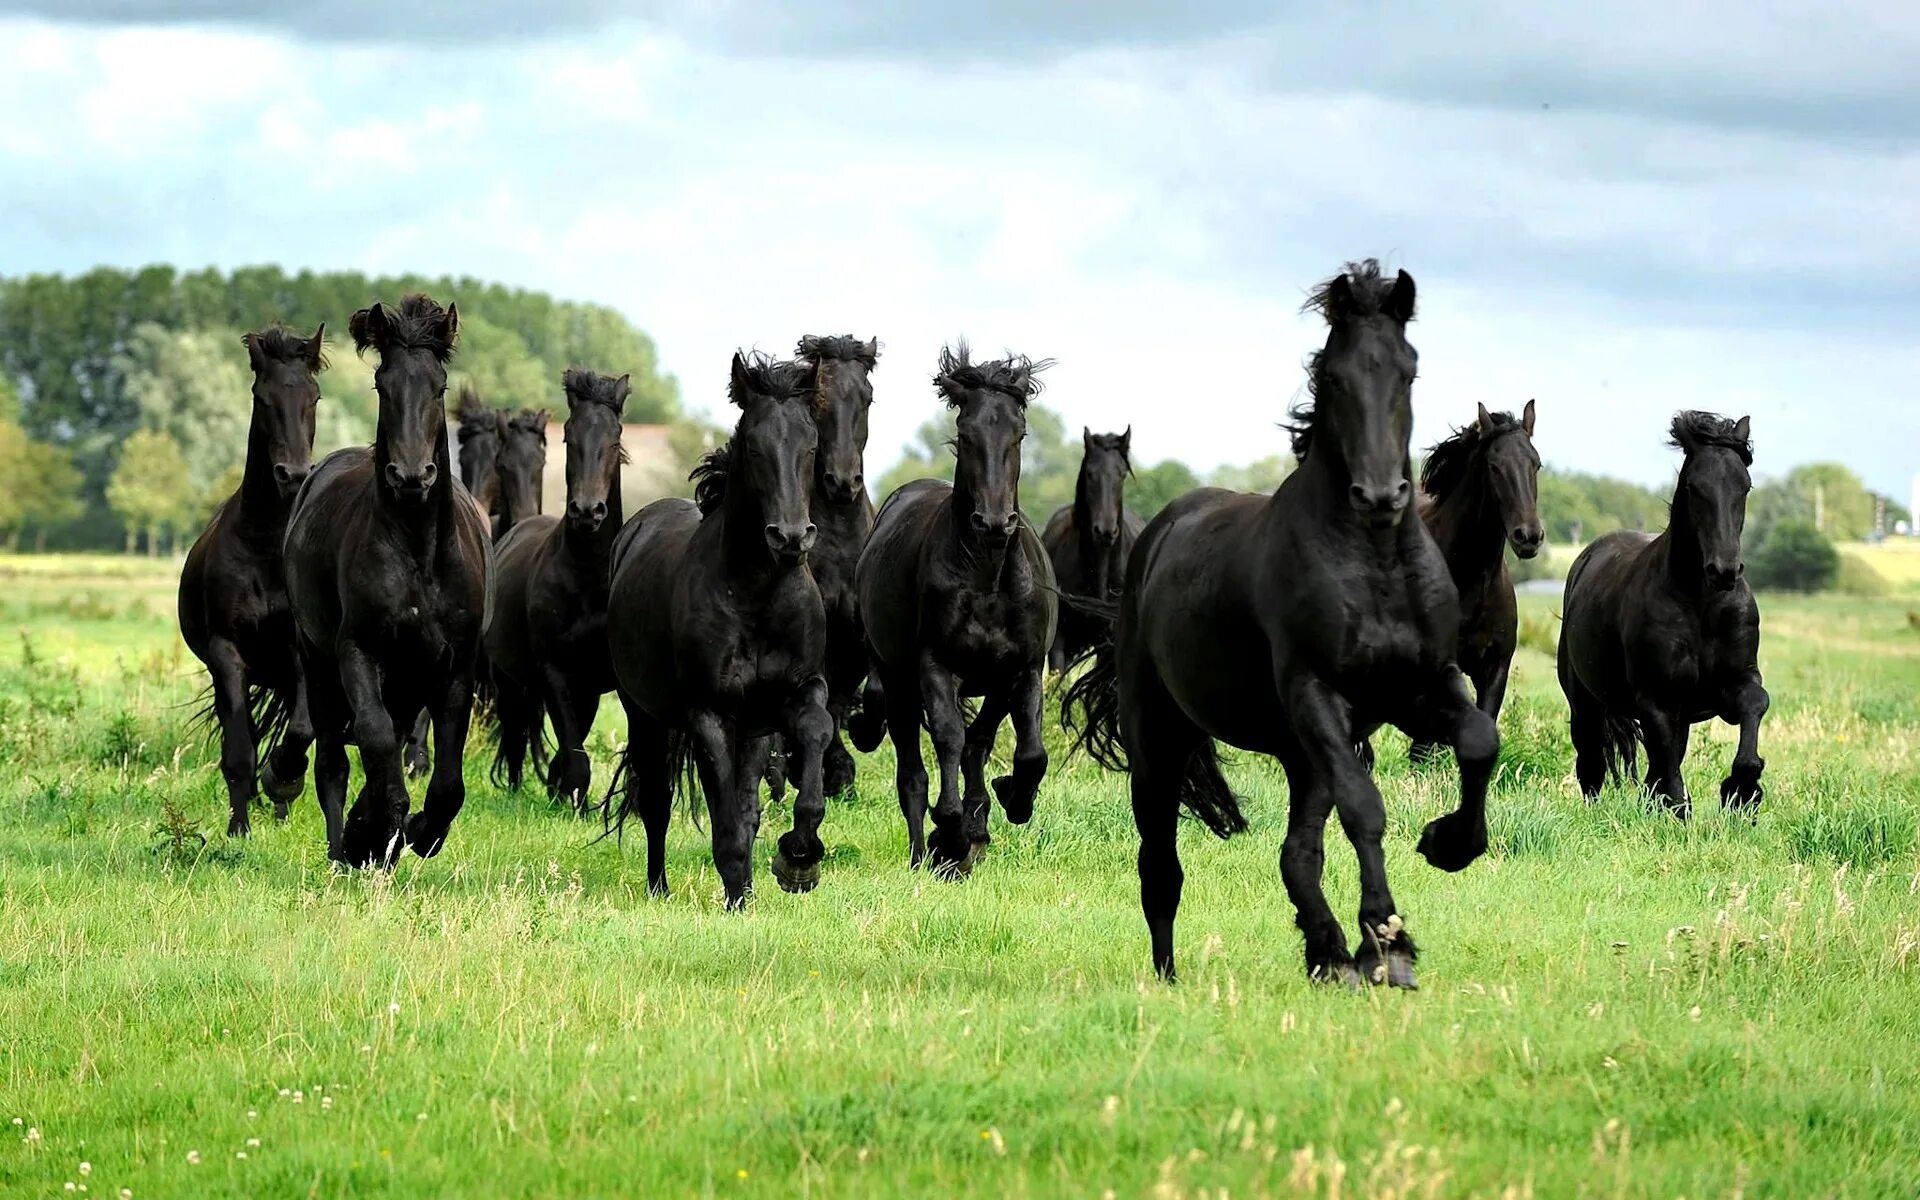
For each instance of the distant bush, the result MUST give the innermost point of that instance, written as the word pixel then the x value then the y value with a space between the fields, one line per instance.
pixel 1858 578
pixel 1540 566
pixel 1793 556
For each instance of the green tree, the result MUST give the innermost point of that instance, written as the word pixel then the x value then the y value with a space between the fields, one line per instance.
pixel 1794 556
pixel 1827 496
pixel 53 495
pixel 149 489
pixel 1153 488
pixel 1049 460
pixel 14 473
pixel 496 361
pixel 1264 475
pixel 195 386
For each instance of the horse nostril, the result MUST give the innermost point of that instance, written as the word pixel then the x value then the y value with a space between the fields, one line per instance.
pixel 428 474
pixel 1401 494
pixel 859 481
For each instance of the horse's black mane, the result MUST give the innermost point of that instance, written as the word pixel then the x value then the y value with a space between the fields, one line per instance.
pixel 281 344
pixel 1367 292
pixel 530 419
pixel 418 323
pixel 710 478
pixel 1118 442
pixel 1014 376
pixel 776 379
pixel 473 414
pixel 1694 430
pixel 591 387
pixel 1447 462
pixel 815 348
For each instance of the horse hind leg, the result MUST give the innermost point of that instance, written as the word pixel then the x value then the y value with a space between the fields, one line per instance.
pixel 981 734
pixel 1160 749
pixel 235 717
pixel 910 768
pixel 648 790
pixel 1588 727
pixel 867 726
pixel 418 758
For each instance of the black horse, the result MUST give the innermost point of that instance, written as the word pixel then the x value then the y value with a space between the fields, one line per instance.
pixel 718 637
pixel 233 591
pixel 1294 625
pixel 1661 633
pixel 503 463
pixel 547 645
pixel 958 600
pixel 1090 539
pixel 388 564
pixel 841 508
pixel 1480 493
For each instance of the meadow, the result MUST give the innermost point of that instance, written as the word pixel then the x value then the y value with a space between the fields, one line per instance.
pixel 1612 1003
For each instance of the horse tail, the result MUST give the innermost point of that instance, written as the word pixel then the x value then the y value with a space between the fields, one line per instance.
pixel 1621 749
pixel 684 772
pixel 1090 707
pixel 268 716
pixel 614 809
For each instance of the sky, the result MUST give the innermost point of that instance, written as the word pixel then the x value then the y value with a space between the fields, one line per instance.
pixel 1621 213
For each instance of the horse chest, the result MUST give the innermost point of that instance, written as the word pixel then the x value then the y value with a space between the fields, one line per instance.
pixel 1379 632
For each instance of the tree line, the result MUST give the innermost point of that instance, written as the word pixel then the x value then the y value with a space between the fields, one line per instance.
pixel 124 397
pixel 124 402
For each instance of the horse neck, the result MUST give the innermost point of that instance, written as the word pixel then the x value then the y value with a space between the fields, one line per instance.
pixel 1678 547
pixel 1470 530
pixel 261 506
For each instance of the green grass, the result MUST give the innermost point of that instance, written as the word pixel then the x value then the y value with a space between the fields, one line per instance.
pixel 1611 1003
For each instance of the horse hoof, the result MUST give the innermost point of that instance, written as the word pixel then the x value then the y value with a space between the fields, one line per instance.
pixel 1342 974
pixel 1446 845
pixel 658 889
pixel 796 878
pixel 1017 806
pixel 423 840
pixel 418 765
pixel 280 811
pixel 866 731
pixel 238 826
pixel 737 901
pixel 281 791
pixel 1394 970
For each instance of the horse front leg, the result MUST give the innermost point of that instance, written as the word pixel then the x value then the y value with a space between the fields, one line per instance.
pixel 981 735
pixel 372 832
pixel 796 863
pixel 447 789
pixel 1016 791
pixel 713 754
pixel 1449 715
pixel 940 702
pixel 235 718
pixel 571 772
pixel 1667 739
pixel 284 773
pixel 1323 726
pixel 1746 704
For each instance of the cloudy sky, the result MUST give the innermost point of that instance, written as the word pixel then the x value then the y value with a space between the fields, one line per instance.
pixel 1662 207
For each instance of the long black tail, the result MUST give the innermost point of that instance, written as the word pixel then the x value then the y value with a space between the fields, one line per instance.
pixel 1090 709
pixel 268 715
pixel 1621 749
pixel 616 806
pixel 538 746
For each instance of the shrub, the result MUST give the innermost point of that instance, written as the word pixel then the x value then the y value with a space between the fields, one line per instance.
pixel 1858 578
pixel 1793 556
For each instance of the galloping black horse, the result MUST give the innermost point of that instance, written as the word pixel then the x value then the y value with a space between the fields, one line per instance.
pixel 503 463
pixel 841 508
pixel 1294 625
pixel 1090 539
pixel 958 599
pixel 387 568
pixel 718 637
pixel 233 592
pixel 1661 633
pixel 1480 493
pixel 548 642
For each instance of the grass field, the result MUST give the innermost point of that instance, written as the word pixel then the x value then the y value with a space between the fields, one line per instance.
pixel 1611 1004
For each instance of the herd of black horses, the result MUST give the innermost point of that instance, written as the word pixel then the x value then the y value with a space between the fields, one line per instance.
pixel 745 630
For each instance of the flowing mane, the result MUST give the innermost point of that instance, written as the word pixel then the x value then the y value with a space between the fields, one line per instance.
pixel 709 478
pixel 1447 462
pixel 816 349
pixel 591 387
pixel 419 323
pixel 473 414
pixel 1694 431
pixel 1365 295
pixel 277 343
pixel 1014 376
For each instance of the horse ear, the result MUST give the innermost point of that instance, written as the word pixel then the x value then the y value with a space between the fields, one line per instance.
pixel 622 388
pixel 1126 440
pixel 1743 428
pixel 1485 421
pixel 256 357
pixel 1526 419
pixel 1339 297
pixel 368 326
pixel 1399 303
pixel 873 349
pixel 317 349
pixel 540 422
pixel 739 381
pixel 451 325
pixel 1086 436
